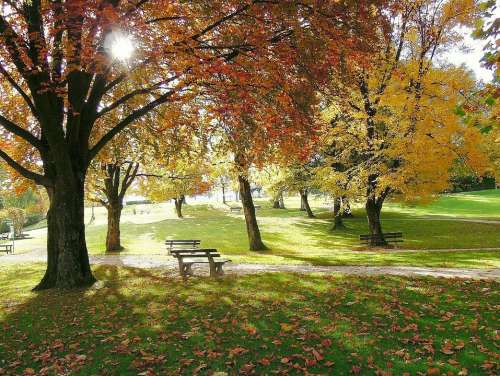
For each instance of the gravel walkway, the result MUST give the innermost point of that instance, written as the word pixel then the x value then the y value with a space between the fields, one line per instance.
pixel 170 266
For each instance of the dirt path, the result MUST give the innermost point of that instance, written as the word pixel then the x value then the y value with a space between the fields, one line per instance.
pixel 170 266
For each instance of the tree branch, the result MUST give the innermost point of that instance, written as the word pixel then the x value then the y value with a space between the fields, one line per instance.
pixel 129 178
pixel 132 94
pixel 18 88
pixel 23 133
pixel 37 178
pixel 128 120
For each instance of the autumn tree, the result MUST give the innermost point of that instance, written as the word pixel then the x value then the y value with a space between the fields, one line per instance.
pixel 413 168
pixel 221 175
pixel 399 104
pixel 156 137
pixel 61 62
pixel 302 179
pixel 331 179
pixel 184 176
pixel 253 137
pixel 273 116
pixel 112 180
pixel 273 178
pixel 292 176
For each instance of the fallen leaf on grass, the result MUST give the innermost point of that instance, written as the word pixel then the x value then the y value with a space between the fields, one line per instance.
pixel 286 327
pixel 237 351
pixel 265 361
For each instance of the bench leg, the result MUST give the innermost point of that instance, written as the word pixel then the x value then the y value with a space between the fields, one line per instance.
pixel 184 269
pixel 218 270
pixel 213 270
pixel 188 270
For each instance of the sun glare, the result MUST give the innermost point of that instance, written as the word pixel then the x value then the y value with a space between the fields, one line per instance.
pixel 120 46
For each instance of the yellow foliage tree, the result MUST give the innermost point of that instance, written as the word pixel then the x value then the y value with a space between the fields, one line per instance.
pixel 394 126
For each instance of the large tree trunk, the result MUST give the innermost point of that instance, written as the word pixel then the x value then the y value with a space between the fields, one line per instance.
pixel 67 257
pixel 337 215
pixel 304 201
pixel 373 209
pixel 178 201
pixel 254 238
pixel 113 235
pixel 224 195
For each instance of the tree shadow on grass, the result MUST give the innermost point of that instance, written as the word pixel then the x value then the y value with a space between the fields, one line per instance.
pixel 138 319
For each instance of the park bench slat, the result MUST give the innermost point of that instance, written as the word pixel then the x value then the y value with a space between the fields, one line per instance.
pixel 180 241
pixel 176 244
pixel 206 261
pixel 197 255
pixel 194 250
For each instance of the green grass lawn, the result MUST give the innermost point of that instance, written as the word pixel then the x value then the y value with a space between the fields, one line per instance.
pixel 480 204
pixel 293 238
pixel 138 322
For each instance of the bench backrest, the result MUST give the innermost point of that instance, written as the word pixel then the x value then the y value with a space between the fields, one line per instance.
pixel 181 244
pixel 387 235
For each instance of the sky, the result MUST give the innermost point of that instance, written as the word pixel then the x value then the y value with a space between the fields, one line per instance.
pixel 471 59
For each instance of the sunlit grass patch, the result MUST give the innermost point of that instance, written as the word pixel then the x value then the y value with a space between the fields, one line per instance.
pixel 293 238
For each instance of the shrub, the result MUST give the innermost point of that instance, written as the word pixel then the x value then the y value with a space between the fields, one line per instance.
pixel 33 218
pixel 16 216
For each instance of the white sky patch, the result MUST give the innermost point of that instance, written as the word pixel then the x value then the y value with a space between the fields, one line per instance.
pixel 471 58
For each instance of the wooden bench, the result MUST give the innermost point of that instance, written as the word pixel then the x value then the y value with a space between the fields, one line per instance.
pixel 388 237
pixel 181 244
pixel 7 247
pixel 188 257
